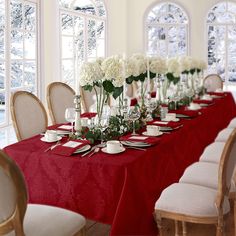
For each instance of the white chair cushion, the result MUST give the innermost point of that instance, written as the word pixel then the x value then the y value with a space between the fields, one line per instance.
pixel 43 220
pixel 201 173
pixel 192 200
pixel 224 134
pixel 212 152
pixel 232 123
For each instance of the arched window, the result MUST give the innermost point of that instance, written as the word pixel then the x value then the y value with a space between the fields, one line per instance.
pixel 166 27
pixel 83 35
pixel 19 59
pixel 221 32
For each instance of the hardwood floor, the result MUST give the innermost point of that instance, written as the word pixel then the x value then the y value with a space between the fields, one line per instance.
pixel 97 229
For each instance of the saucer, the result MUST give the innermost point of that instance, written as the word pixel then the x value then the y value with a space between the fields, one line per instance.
pixel 50 141
pixel 83 149
pixel 193 108
pixel 122 149
pixel 155 135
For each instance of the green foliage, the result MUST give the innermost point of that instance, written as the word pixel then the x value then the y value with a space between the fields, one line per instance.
pixel 172 78
pixel 88 88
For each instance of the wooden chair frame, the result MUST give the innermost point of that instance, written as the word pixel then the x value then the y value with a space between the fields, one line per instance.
pixel 221 193
pixel 15 221
pixel 216 75
pixel 13 113
pixel 49 100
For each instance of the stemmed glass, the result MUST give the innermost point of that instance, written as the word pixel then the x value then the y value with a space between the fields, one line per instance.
pixel 151 104
pixel 134 114
pixel 70 116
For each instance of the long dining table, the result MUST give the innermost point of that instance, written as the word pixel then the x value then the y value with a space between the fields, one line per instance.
pixel 120 189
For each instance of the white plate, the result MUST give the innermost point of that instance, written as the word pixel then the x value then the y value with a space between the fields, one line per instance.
pixel 83 149
pixel 105 150
pixel 174 120
pixel 158 134
pixel 135 144
pixel 47 141
pixel 165 128
pixel 193 109
pixel 62 132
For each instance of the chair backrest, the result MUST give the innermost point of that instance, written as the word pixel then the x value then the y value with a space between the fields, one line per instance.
pixel 213 82
pixel 28 115
pixel 13 196
pixel 59 97
pixel 226 168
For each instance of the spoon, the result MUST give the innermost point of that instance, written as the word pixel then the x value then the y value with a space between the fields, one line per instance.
pixel 95 151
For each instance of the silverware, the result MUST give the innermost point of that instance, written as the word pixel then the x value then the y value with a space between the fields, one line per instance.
pixel 86 153
pixel 95 151
pixel 53 146
pixel 137 148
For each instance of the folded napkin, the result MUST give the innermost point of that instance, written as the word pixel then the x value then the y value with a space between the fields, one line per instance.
pixel 133 102
pixel 202 101
pixel 153 94
pixel 220 94
pixel 63 127
pixel 88 115
pixel 69 147
pixel 170 124
pixel 140 138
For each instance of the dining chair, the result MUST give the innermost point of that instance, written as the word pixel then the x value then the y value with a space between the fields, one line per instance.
pixel 232 123
pixel 59 97
pixel 28 115
pixel 199 204
pixel 213 82
pixel 224 134
pixel 22 219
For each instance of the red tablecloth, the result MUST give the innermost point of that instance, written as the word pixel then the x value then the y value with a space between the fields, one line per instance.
pixel 119 189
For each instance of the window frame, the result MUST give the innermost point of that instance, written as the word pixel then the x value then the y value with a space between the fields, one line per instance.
pixel 145 24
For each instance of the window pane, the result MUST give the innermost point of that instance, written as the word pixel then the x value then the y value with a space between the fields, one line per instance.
pixel 92 38
pixel 16 44
pixel 67 24
pixel 16 74
pixel 30 76
pixel 100 29
pixel 100 8
pixel 30 45
pixel 2 13
pixel 79 38
pixel 68 71
pixel 84 6
pixel 2 107
pixel 2 75
pixel 67 47
pixel 30 18
pixel 2 43
pixel 16 14
pixel 100 48
pixel 65 3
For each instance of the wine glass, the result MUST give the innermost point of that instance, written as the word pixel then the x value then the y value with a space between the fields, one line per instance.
pixel 134 114
pixel 70 116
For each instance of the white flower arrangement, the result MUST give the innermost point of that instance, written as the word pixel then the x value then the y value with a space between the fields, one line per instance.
pixel 90 72
pixel 158 66
pixel 173 67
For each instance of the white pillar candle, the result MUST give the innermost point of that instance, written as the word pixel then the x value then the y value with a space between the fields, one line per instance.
pixel 124 69
pixel 148 77
pixel 77 71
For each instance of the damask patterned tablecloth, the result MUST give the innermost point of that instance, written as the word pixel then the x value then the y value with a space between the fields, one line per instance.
pixel 121 189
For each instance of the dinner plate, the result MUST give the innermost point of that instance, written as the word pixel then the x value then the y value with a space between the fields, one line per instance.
pixel 174 120
pixel 135 144
pixel 156 135
pixel 83 149
pixel 62 132
pixel 105 150
pixel 165 128
pixel 47 141
pixel 193 109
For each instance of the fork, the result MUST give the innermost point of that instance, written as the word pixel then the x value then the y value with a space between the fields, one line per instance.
pixel 95 151
pixel 53 146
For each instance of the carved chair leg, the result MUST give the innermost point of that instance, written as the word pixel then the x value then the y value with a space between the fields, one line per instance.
pixel 234 215
pixel 220 227
pixel 184 228
pixel 159 222
pixel 177 233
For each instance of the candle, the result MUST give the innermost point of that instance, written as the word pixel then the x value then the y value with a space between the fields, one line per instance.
pixel 77 87
pixel 124 69
pixel 148 77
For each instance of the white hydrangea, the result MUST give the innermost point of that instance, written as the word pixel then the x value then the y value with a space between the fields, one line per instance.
pixel 185 63
pixel 112 67
pixel 90 72
pixel 118 81
pixel 140 62
pixel 158 65
pixel 202 65
pixel 173 67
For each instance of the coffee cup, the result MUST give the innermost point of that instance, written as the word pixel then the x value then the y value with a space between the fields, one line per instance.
pixel 152 129
pixel 170 116
pixel 50 135
pixel 114 146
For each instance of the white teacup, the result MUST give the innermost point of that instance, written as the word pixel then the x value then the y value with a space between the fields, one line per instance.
pixel 194 106
pixel 152 129
pixel 114 146
pixel 170 116
pixel 207 97
pixel 51 135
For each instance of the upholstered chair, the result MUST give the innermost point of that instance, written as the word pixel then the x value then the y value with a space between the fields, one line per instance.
pixel 232 123
pixel 213 82
pixel 17 218
pixel 28 115
pixel 59 97
pixel 199 204
pixel 223 135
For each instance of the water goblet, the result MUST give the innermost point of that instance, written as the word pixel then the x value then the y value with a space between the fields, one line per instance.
pixel 134 114
pixel 70 116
